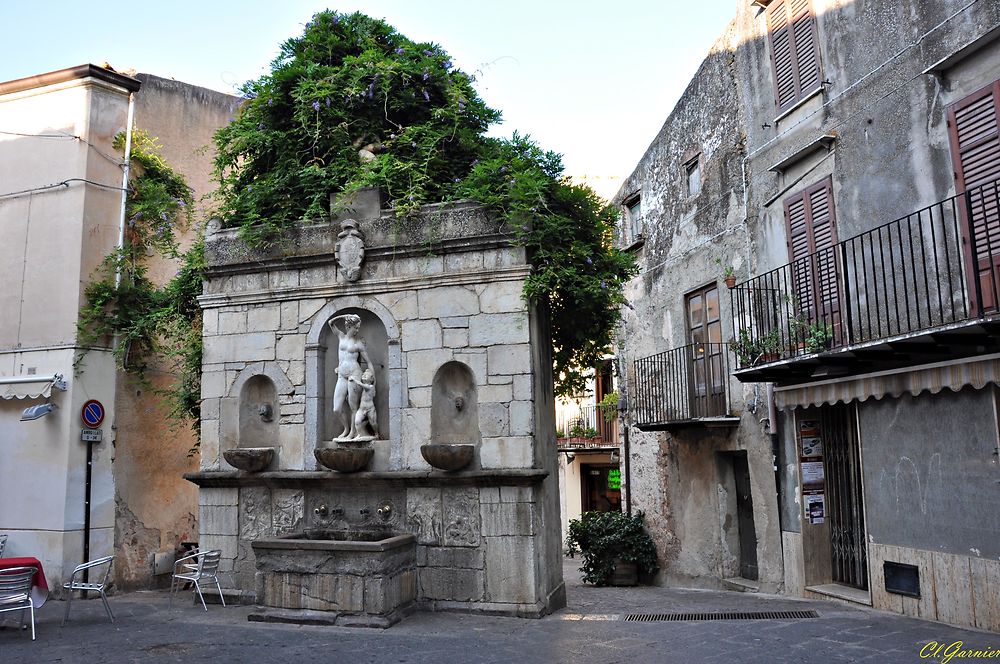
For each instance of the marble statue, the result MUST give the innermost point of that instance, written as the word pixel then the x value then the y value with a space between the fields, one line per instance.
pixel 353 389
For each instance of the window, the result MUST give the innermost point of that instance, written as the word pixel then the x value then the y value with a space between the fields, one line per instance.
pixel 812 231
pixel 794 51
pixel 974 131
pixel 692 171
pixel 705 332
pixel 633 208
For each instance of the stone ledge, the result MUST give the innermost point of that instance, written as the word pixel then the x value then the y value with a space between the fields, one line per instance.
pixel 402 478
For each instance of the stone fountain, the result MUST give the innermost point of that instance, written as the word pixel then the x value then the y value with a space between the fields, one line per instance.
pixel 377 420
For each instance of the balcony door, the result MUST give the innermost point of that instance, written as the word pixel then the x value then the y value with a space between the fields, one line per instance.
pixel 811 227
pixel 975 151
pixel 706 368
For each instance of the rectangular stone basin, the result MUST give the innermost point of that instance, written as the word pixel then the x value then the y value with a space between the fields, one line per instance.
pixel 354 579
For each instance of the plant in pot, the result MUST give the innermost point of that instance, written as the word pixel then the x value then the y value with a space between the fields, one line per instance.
pixel 616 548
pixel 728 274
pixel 609 406
pixel 751 350
pixel 819 337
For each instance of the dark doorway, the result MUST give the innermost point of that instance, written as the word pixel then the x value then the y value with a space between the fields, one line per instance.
pixel 744 517
pixel 601 488
pixel 844 495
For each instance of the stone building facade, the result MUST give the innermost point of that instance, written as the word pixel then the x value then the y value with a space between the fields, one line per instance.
pixel 438 296
pixel 865 296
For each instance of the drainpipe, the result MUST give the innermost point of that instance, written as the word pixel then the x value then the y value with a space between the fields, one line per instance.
pixel 772 430
pixel 125 175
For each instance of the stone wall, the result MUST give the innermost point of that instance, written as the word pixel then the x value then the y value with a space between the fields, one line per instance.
pixel 444 288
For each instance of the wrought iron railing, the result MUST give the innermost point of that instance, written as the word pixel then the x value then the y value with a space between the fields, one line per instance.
pixel 595 422
pixel 934 267
pixel 687 383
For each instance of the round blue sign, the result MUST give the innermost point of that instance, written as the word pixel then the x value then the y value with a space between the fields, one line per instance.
pixel 93 413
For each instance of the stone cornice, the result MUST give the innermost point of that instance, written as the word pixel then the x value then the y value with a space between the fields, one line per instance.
pixel 402 478
pixel 329 291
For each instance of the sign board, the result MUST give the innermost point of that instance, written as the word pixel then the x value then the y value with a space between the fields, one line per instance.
pixel 92 414
pixel 615 479
pixel 91 435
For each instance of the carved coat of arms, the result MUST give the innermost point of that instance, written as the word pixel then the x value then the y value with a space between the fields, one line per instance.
pixel 350 249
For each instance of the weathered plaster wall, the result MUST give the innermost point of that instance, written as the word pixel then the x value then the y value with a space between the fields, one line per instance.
pixel 57 237
pixel 157 508
pixel 675 477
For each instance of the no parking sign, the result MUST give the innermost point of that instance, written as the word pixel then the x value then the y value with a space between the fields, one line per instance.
pixel 92 413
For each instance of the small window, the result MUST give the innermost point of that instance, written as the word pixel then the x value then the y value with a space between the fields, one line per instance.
pixel 633 208
pixel 692 171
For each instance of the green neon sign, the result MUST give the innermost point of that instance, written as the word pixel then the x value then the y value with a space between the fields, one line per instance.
pixel 615 479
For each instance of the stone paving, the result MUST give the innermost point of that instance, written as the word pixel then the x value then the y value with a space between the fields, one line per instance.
pixel 588 630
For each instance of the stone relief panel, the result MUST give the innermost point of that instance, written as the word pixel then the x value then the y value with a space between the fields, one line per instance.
pixel 461 517
pixel 255 513
pixel 423 515
pixel 288 508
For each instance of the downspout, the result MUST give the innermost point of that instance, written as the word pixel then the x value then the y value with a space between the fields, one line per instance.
pixel 772 430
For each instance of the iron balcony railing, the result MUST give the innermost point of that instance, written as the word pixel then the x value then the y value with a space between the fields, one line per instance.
pixel 934 267
pixel 597 423
pixel 684 384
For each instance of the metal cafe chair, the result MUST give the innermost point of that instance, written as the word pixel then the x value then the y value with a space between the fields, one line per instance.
pixel 197 568
pixel 85 586
pixel 15 592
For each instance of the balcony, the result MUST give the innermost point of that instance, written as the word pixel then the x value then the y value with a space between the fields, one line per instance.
pixel 590 426
pixel 917 290
pixel 682 387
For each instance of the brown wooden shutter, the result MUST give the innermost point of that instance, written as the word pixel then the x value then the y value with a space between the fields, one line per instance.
pixel 974 131
pixel 794 50
pixel 812 232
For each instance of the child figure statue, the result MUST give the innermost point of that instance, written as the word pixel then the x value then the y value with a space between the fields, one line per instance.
pixel 366 418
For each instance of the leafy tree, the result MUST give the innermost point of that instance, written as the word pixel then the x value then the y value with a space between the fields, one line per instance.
pixel 352 103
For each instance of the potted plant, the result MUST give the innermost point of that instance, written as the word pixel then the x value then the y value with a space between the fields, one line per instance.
pixel 751 350
pixel 616 548
pixel 609 406
pixel 819 337
pixel 728 274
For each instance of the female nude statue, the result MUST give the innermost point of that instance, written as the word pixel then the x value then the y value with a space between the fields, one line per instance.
pixel 349 388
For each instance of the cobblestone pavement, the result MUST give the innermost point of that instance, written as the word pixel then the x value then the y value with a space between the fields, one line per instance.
pixel 588 630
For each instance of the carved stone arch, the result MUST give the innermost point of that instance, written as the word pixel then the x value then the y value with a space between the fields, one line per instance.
pixel 269 369
pixel 351 302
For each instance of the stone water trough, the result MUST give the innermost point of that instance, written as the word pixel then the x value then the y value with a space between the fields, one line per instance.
pixel 348 578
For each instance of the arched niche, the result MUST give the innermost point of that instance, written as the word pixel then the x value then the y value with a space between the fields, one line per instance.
pixel 258 413
pixel 376 339
pixel 454 405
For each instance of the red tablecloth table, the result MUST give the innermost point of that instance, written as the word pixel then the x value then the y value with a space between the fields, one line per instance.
pixel 39 586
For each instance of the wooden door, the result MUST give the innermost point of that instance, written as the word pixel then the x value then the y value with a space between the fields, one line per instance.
pixel 706 369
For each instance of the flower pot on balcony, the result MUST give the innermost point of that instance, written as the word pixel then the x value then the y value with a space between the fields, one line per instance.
pixel 731 282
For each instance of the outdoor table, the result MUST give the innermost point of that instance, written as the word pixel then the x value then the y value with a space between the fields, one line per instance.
pixel 39 586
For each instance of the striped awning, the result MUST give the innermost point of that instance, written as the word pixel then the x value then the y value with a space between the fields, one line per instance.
pixel 24 387
pixel 955 375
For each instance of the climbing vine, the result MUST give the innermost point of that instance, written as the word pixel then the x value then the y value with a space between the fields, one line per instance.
pixel 352 103
pixel 148 322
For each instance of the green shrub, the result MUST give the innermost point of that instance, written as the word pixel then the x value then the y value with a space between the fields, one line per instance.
pixel 603 537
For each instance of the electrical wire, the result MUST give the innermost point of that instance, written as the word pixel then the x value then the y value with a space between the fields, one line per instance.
pixel 114 160
pixel 64 183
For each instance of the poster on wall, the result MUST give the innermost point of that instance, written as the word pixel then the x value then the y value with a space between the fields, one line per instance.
pixel 808 428
pixel 814 507
pixel 812 474
pixel 812 447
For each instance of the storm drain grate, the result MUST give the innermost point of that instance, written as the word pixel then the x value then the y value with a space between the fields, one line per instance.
pixel 753 615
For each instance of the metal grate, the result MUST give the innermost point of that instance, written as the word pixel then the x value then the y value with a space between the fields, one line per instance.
pixel 752 615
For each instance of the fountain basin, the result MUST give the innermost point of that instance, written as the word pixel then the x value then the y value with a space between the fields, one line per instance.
pixel 356 581
pixel 447 456
pixel 250 459
pixel 345 459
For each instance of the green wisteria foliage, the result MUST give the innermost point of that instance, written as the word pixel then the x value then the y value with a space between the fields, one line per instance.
pixel 352 103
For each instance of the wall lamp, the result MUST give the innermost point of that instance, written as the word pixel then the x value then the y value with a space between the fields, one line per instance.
pixel 38 411
pixel 570 456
